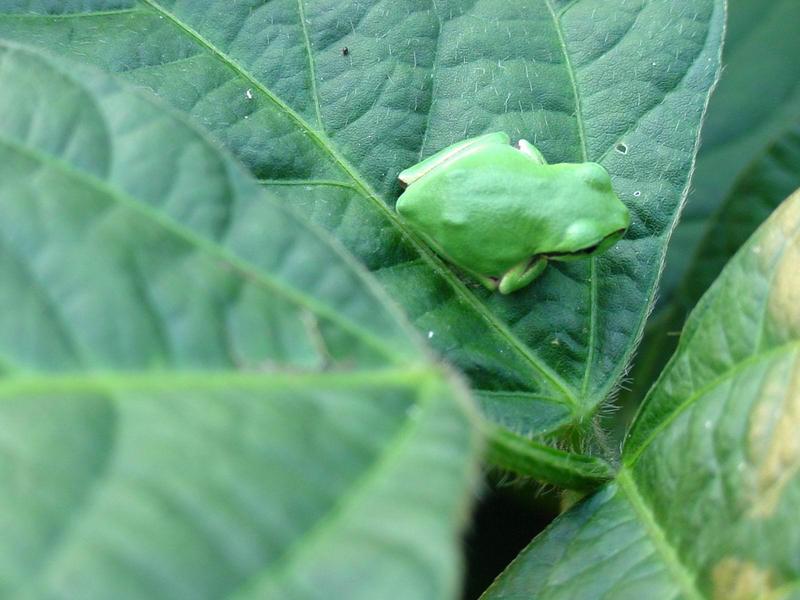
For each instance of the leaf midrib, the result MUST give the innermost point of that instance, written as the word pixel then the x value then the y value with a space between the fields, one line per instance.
pixel 420 379
pixel 365 190
pixel 170 381
pixel 657 536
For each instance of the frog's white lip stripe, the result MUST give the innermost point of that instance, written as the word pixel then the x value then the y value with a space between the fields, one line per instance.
pixel 457 153
pixel 588 249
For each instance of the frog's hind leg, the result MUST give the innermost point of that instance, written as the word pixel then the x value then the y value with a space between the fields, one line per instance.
pixel 412 174
pixel 529 149
pixel 521 275
pixel 490 283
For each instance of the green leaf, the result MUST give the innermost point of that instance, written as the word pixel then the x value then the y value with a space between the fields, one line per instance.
pixel 771 177
pixel 202 395
pixel 760 45
pixel 741 148
pixel 705 504
pixel 622 83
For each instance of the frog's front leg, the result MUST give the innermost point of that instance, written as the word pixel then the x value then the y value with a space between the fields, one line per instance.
pixel 522 274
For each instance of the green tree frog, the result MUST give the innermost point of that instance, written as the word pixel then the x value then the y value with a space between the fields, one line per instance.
pixel 500 212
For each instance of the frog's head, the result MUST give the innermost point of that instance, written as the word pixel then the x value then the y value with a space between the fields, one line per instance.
pixel 595 217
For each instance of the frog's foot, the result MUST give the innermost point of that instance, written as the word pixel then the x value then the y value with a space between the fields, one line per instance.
pixel 529 149
pixel 490 283
pixel 521 275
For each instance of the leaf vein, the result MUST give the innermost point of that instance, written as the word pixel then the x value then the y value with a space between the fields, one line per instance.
pixel 78 511
pixel 435 263
pixel 731 372
pixel 312 75
pixel 160 381
pixel 309 182
pixel 316 531
pixel 76 15
pixel 59 320
pixel 210 247
pixel 657 535
pixel 433 87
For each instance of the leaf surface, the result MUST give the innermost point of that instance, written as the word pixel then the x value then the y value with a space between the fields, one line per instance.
pixel 705 504
pixel 622 83
pixel 743 146
pixel 756 103
pixel 772 176
pixel 203 395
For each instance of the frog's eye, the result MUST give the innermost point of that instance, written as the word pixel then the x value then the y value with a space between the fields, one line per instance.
pixel 596 177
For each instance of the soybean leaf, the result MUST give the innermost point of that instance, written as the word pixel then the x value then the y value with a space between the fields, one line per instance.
pixel 705 504
pixel 772 176
pixel 201 395
pixel 760 45
pixel 326 101
pixel 739 137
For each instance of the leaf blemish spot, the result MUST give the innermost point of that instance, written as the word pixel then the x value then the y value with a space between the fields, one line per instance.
pixel 621 148
pixel 249 94
pixel 637 193
pixel 737 579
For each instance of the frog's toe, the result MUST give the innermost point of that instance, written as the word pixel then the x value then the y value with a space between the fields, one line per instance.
pixel 521 275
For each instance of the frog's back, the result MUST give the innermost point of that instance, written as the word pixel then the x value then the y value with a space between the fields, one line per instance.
pixel 487 211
